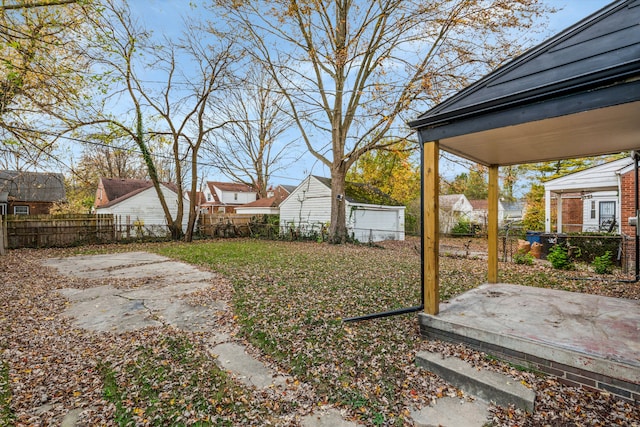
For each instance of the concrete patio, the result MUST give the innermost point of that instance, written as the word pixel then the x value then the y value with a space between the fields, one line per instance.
pixel 584 340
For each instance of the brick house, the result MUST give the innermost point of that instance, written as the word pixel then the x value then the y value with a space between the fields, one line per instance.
pixel 30 193
pixel 591 200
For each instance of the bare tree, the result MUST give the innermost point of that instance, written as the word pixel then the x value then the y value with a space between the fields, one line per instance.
pixel 169 87
pixel 351 70
pixel 253 145
pixel 41 74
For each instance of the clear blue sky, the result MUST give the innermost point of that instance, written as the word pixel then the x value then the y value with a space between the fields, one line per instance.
pixel 165 17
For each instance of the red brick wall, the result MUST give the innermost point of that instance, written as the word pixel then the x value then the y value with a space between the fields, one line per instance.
pixel 571 214
pixel 627 209
pixel 35 208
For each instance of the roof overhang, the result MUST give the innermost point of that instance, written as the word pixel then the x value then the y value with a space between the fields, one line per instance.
pixel 579 124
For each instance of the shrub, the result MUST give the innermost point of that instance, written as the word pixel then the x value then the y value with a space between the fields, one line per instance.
pixel 559 258
pixel 462 227
pixel 523 258
pixel 603 264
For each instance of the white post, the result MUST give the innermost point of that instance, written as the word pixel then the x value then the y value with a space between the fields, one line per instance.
pixel 547 211
pixel 559 213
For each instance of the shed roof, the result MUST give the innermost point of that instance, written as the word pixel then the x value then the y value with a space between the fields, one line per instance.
pixel 115 188
pixel 32 186
pixel 577 94
pixel 361 193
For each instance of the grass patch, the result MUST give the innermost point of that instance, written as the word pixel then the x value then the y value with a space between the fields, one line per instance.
pixel 171 382
pixel 7 417
pixel 290 298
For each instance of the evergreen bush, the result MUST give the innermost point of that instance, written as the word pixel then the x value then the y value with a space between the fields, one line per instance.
pixel 603 264
pixel 559 258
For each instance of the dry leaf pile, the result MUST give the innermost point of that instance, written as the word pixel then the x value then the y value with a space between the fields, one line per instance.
pixel 287 300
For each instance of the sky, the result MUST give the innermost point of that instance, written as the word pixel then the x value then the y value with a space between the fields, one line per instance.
pixel 164 17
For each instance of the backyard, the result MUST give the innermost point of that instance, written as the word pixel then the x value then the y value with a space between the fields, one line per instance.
pixel 286 301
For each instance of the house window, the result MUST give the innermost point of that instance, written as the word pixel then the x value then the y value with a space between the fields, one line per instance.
pixel 235 196
pixel 3 208
pixel 21 210
pixel 208 197
pixel 593 209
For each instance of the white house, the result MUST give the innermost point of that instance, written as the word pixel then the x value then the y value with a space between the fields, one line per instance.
pixel 589 200
pixel 453 207
pixel 226 196
pixel 135 203
pixel 372 216
pixel 269 205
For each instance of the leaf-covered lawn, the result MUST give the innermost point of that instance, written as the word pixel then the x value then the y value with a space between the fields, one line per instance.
pixel 287 300
pixel 290 298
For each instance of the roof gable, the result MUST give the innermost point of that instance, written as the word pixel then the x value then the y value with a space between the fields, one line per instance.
pixel 115 188
pixel 136 186
pixel 582 84
pixel 32 186
pixel 230 186
pixel 604 176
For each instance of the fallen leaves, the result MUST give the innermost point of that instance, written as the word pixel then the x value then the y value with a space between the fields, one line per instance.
pixel 287 301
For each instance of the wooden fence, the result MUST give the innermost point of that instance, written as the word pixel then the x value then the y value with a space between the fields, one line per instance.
pixel 225 225
pixel 38 231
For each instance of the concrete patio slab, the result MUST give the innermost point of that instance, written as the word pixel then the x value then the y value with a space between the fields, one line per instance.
pixel 584 339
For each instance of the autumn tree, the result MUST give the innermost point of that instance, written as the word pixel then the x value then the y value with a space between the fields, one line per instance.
pixel 473 183
pixel 351 70
pixel 41 73
pixel 153 90
pixel 253 144
pixel 394 170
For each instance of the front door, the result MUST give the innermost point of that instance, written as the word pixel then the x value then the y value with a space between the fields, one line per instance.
pixel 607 216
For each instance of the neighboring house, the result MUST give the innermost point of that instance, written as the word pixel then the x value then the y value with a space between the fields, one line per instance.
pixel 134 202
pixel 513 211
pixel 371 215
pixel 453 208
pixel 480 212
pixel 30 193
pixel 224 197
pixel 269 205
pixel 590 200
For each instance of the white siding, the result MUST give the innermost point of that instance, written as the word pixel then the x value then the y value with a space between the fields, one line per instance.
pixel 307 208
pixel 145 208
pixel 257 210
pixel 375 223
pixel 593 224
pixel 236 197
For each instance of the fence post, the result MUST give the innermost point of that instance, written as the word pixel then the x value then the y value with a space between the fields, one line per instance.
pixel 3 236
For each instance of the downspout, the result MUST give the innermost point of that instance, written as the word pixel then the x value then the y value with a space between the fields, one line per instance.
pixel 637 210
pixel 415 308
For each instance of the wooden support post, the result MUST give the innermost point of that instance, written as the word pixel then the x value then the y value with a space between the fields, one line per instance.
pixel 431 227
pixel 492 226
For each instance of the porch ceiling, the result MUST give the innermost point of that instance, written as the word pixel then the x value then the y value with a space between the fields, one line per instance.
pixel 605 130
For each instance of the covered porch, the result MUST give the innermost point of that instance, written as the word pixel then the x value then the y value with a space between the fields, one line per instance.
pixel 575 95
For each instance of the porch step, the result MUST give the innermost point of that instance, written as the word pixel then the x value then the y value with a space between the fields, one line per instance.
pixel 486 385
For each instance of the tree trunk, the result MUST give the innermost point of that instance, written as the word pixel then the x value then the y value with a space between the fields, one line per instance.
pixel 193 198
pixel 338 230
